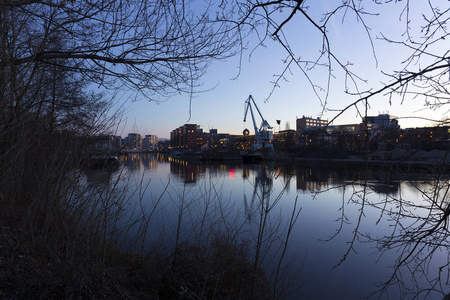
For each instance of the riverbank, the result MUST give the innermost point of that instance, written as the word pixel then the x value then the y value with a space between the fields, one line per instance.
pixel 397 158
pixel 37 265
pixel 362 162
pixel 412 159
pixel 36 268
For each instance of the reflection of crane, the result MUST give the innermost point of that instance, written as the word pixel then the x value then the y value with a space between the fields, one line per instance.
pixel 263 135
pixel 263 184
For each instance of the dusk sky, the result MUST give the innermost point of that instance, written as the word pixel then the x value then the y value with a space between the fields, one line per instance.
pixel 222 107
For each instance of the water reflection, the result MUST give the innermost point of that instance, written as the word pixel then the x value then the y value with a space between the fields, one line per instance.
pixel 136 161
pixel 262 188
pixel 317 178
pixel 187 172
pixel 306 178
pixel 347 216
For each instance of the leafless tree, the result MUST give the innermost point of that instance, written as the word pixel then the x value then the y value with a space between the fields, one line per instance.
pixel 424 69
pixel 156 47
pixel 54 54
pixel 419 230
pixel 57 57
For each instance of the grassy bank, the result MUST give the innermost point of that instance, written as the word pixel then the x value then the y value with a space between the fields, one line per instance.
pixel 38 265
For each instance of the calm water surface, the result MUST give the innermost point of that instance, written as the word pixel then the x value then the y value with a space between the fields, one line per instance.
pixel 334 248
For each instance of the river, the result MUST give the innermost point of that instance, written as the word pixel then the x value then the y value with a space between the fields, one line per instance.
pixel 353 233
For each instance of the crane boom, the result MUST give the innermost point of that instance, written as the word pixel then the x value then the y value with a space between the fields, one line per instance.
pixel 263 134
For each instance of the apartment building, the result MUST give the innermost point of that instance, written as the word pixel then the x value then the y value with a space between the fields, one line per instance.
pixel 187 136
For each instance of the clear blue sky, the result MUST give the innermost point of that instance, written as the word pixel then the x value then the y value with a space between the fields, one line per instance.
pixel 223 106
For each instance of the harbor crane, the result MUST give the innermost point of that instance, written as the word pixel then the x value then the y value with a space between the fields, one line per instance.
pixel 263 134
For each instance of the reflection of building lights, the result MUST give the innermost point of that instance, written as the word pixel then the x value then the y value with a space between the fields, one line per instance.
pixel 231 173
